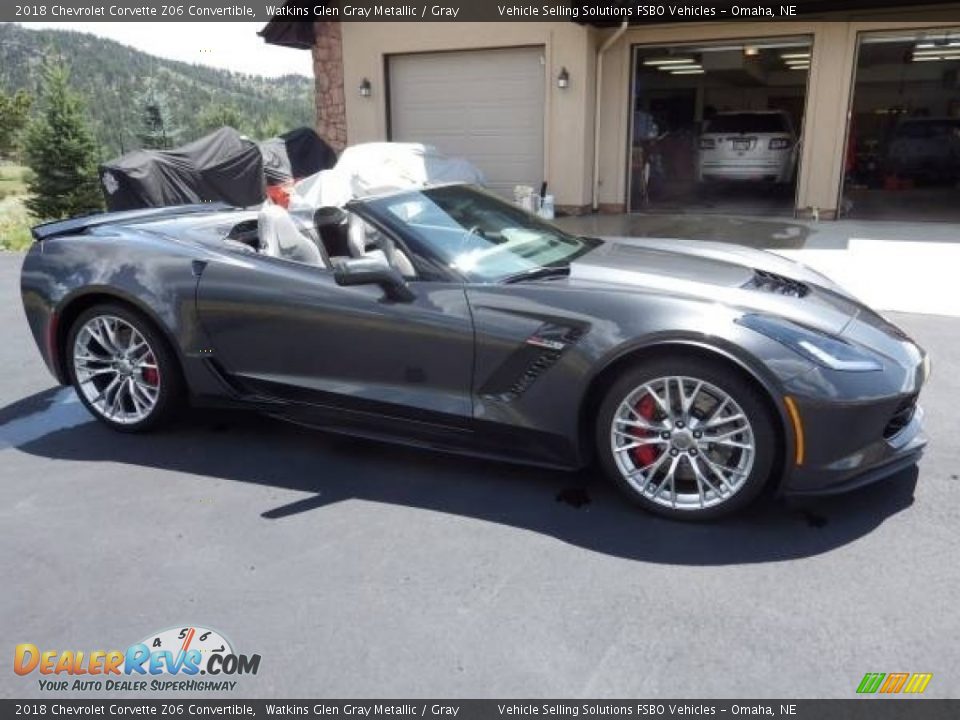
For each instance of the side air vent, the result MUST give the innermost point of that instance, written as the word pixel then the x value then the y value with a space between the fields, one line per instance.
pixel 901 418
pixel 771 282
pixel 527 363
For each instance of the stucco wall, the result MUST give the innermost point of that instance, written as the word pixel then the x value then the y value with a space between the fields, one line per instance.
pixel 568 122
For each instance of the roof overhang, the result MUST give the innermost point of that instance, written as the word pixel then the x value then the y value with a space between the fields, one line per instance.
pixel 293 27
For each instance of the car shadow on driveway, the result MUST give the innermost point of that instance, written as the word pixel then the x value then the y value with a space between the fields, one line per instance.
pixel 578 508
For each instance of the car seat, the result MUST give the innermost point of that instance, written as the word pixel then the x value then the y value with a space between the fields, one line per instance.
pixel 280 237
pixel 331 223
pixel 365 241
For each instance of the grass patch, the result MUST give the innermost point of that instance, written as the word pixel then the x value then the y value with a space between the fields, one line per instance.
pixel 15 221
pixel 16 237
pixel 13 180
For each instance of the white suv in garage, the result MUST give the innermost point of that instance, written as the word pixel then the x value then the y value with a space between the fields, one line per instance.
pixel 758 145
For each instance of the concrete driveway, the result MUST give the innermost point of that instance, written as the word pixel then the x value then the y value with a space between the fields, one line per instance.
pixel 891 266
pixel 362 570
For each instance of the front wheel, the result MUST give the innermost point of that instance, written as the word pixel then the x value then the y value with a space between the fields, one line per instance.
pixel 123 369
pixel 686 438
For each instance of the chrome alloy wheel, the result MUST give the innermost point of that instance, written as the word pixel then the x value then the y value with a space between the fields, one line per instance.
pixel 682 443
pixel 116 369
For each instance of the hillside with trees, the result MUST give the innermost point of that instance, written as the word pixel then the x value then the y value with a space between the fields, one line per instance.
pixel 136 100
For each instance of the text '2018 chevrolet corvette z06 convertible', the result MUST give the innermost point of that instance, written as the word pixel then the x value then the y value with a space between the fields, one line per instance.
pixel 696 374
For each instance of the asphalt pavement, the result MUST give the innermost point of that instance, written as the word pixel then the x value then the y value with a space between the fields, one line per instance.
pixel 356 569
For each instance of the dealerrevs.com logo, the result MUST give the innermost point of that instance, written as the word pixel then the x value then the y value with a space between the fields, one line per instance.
pixel 170 660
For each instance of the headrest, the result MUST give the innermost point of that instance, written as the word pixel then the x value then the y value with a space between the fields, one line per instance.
pixel 329 215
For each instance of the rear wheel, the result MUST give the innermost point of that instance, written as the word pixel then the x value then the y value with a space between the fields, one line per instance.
pixel 686 438
pixel 122 368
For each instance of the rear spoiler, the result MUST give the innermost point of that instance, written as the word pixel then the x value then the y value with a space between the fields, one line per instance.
pixel 76 225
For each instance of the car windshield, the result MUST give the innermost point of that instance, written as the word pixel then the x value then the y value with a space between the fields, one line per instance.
pixel 746 123
pixel 483 237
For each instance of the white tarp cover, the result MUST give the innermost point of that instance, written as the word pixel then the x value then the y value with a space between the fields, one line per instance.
pixel 371 168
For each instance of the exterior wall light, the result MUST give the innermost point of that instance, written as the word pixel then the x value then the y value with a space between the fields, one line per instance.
pixel 563 79
pixel 365 88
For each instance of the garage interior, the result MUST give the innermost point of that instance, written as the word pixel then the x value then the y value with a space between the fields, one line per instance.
pixel 903 141
pixel 679 90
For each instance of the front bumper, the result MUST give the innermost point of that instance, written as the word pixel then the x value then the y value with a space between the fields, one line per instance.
pixel 855 428
pixel 872 464
pixel 859 427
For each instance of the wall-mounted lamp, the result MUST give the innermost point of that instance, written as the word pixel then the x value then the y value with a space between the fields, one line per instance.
pixel 563 79
pixel 365 88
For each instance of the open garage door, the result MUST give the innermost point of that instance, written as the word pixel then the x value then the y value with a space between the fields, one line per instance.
pixel 718 127
pixel 903 141
pixel 484 105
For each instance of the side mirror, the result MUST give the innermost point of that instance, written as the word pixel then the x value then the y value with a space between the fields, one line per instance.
pixel 372 271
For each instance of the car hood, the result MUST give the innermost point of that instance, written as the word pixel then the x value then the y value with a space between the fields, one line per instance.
pixel 717 272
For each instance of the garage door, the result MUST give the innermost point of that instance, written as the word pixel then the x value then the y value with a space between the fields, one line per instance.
pixel 484 105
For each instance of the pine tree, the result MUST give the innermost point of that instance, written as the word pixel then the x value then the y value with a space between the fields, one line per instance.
pixel 14 113
pixel 157 131
pixel 61 151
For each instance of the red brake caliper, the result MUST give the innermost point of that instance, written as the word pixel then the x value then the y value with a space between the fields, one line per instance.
pixel 645 454
pixel 151 376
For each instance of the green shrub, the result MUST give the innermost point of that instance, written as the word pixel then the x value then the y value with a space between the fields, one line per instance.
pixel 15 223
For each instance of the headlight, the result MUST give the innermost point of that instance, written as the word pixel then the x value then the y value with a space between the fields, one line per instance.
pixel 825 350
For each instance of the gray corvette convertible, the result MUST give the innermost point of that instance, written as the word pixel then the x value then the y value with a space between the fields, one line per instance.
pixel 697 375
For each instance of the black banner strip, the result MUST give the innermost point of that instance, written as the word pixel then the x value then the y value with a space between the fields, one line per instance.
pixel 600 13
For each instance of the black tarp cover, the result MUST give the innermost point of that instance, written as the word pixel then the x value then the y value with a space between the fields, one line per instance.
pixel 222 166
pixel 294 155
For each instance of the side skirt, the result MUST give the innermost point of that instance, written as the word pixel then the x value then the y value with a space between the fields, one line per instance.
pixel 468 437
pixel 386 422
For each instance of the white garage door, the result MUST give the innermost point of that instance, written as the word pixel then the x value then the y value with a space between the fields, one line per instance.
pixel 484 105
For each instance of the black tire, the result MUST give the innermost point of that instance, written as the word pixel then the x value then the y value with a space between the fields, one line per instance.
pixel 170 384
pixel 750 400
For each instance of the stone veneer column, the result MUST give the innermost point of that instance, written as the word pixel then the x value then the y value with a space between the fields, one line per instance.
pixel 328 77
